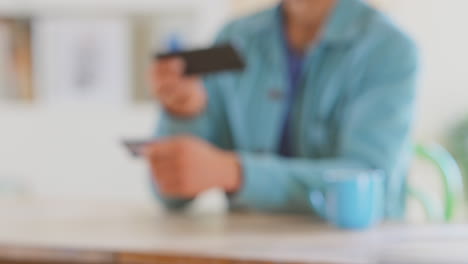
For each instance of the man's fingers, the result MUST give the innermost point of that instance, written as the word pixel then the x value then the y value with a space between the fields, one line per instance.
pixel 170 66
pixel 168 79
pixel 166 74
pixel 177 98
pixel 167 182
pixel 159 150
pixel 166 83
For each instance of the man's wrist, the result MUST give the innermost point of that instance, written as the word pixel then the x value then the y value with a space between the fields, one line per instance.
pixel 188 107
pixel 233 179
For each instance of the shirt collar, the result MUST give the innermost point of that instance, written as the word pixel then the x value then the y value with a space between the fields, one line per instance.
pixel 341 26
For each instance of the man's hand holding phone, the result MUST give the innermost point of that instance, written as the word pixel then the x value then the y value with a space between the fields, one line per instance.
pixel 182 95
pixel 176 76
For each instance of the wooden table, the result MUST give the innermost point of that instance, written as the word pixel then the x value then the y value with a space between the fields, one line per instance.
pixel 46 231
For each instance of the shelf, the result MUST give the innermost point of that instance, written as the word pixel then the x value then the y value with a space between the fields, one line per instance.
pixel 64 7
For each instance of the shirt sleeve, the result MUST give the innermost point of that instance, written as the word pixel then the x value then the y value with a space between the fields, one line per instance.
pixel 374 134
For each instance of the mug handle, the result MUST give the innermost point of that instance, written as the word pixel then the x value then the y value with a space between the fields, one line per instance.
pixel 317 200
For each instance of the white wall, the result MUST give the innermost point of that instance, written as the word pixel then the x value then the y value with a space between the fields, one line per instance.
pixel 242 7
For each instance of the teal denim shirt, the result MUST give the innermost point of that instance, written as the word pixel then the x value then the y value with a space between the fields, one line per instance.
pixel 355 108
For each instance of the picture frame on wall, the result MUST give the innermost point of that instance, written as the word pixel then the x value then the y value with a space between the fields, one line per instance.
pixel 82 60
pixel 16 83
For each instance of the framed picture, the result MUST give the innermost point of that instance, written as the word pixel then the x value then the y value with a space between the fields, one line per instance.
pixel 82 60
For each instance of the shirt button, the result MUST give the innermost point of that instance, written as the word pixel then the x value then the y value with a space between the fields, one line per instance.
pixel 260 151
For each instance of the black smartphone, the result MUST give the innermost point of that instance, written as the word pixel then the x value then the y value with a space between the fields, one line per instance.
pixel 212 60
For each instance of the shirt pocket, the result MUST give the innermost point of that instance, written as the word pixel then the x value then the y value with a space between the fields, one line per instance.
pixel 322 131
pixel 317 139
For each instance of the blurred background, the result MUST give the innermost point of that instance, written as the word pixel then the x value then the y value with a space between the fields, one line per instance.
pixel 73 83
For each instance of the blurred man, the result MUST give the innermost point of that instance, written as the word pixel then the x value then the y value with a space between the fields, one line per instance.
pixel 329 84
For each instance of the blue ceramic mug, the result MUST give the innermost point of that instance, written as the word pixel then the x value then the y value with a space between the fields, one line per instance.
pixel 351 199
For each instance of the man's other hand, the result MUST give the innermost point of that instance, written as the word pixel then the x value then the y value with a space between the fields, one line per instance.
pixel 185 166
